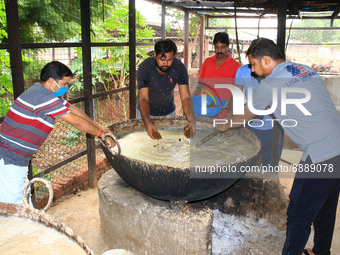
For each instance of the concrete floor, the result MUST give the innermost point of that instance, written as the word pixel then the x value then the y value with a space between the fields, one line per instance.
pixel 80 212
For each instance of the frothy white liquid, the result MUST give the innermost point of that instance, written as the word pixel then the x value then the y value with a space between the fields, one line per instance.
pixel 177 151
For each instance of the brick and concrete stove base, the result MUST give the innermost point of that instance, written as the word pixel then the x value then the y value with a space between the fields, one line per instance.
pixel 143 225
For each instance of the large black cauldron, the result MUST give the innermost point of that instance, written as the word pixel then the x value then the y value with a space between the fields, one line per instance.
pixel 172 183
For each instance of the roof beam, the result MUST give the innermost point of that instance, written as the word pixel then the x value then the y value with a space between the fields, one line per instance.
pixel 198 3
pixel 334 14
pixel 203 10
pixel 266 17
pixel 155 1
pixel 298 6
pixel 274 28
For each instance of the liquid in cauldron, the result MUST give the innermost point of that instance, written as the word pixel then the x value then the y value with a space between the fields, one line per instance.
pixel 175 150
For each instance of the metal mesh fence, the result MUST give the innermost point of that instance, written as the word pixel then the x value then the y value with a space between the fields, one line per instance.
pixel 45 27
pixel 50 23
pixel 43 21
pixel 65 141
pixel 6 89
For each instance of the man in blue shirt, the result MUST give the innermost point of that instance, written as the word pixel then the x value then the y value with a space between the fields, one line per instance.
pixel 313 123
pixel 261 127
pixel 157 77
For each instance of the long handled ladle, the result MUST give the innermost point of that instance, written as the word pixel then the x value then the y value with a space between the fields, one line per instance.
pixel 207 138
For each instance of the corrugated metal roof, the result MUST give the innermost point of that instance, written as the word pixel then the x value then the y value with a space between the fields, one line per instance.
pixel 326 8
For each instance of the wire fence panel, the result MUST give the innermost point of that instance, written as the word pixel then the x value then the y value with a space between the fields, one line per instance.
pixel 65 141
pixel 45 26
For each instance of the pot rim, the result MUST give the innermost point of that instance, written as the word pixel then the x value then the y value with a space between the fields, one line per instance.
pixel 177 118
pixel 19 211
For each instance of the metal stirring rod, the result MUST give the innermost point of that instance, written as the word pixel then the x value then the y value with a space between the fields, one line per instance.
pixel 207 138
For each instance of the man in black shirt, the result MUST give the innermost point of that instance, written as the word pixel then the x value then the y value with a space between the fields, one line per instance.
pixel 157 77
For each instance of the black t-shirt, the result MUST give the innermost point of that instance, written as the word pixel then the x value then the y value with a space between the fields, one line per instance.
pixel 161 88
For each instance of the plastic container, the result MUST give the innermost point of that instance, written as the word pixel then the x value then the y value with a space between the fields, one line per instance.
pixel 211 111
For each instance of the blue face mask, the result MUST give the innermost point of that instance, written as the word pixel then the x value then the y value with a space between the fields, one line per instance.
pixel 60 91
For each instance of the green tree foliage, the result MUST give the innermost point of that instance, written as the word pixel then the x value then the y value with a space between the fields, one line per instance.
pixel 175 20
pixel 315 36
pixel 110 66
pixel 218 22
pixel 52 20
pixel 6 89
pixel 43 21
pixel 3 24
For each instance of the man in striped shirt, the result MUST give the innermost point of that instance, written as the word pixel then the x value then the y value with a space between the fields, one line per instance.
pixel 28 123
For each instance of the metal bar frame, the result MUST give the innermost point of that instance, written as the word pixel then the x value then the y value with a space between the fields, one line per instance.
pixel 70 45
pixel 163 32
pixel 132 58
pixel 267 17
pixel 203 4
pixel 14 47
pixel 275 28
pixel 87 74
pixel 201 47
pixel 186 39
pixel 281 42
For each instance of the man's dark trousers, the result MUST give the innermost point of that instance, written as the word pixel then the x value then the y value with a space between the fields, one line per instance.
pixel 312 200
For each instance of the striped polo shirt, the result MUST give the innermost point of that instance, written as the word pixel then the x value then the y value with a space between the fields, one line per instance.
pixel 28 123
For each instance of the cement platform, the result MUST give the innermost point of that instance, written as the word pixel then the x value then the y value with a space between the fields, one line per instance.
pixel 144 225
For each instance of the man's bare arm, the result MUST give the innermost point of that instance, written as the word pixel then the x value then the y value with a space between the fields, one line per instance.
pixel 144 108
pixel 236 121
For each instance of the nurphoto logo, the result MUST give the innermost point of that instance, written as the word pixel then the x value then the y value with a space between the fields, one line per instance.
pixel 238 105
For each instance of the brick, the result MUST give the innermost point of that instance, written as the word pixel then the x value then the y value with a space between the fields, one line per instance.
pixel 78 178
